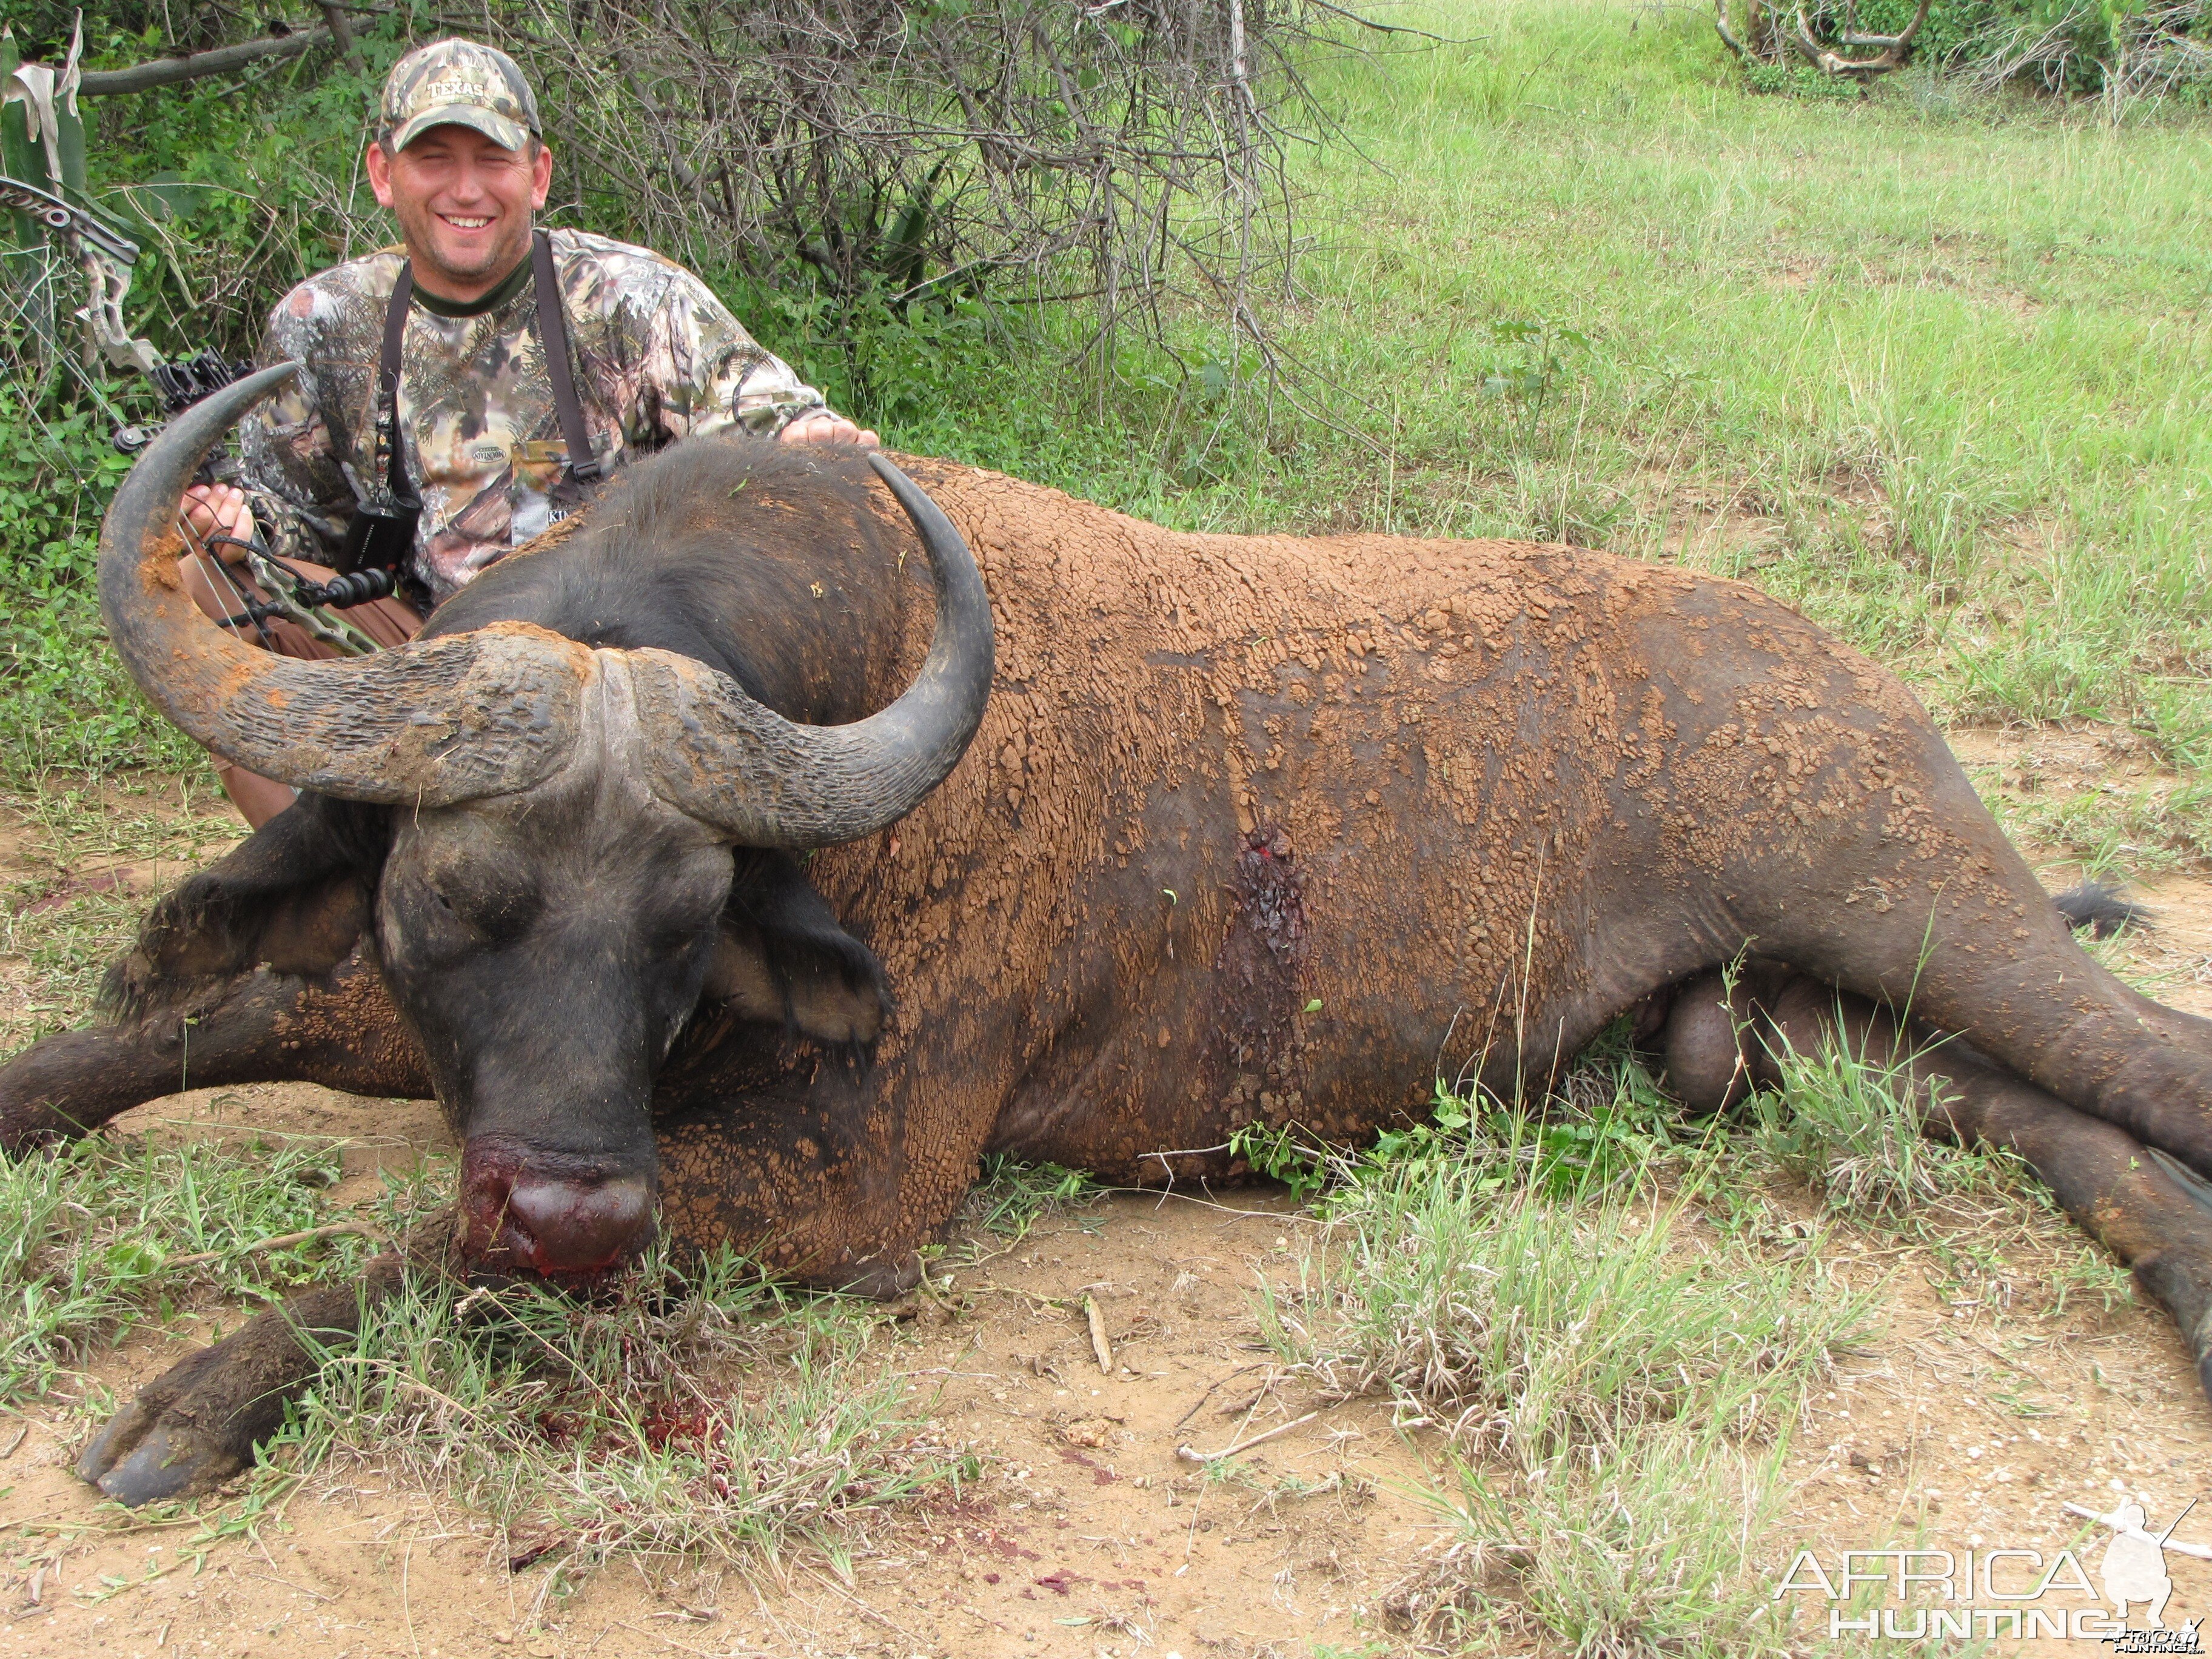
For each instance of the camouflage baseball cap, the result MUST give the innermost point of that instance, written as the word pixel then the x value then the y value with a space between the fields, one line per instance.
pixel 458 81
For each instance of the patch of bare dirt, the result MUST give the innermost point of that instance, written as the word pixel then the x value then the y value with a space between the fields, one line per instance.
pixel 1969 1428
pixel 2056 761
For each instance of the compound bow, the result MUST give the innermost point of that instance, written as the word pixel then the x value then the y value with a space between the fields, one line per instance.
pixel 105 256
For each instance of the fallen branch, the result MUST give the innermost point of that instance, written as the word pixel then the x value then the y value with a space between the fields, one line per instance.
pixel 1208 1394
pixel 1189 1455
pixel 217 60
pixel 281 1241
pixel 1828 62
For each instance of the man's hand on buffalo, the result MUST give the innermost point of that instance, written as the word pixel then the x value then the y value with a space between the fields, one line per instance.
pixel 824 428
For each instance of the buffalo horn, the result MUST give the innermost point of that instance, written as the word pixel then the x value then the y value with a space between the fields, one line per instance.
pixel 766 782
pixel 444 720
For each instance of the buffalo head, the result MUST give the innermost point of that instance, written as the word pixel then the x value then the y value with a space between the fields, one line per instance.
pixel 562 826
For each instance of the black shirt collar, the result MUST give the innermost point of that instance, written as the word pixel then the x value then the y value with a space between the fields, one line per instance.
pixel 511 285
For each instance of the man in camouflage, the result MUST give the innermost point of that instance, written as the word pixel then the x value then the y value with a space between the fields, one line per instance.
pixel 458 158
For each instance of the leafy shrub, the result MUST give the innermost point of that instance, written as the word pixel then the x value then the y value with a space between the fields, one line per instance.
pixel 66 701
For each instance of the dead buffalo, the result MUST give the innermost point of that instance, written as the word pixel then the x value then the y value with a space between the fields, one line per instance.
pixel 1256 828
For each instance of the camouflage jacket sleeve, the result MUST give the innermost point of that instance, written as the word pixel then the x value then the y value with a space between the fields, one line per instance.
pixel 702 372
pixel 290 464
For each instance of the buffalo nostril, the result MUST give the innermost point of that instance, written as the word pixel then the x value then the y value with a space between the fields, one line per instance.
pixel 578 1226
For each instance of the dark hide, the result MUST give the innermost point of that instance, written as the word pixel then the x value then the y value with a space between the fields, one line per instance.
pixel 676 557
pixel 783 958
pixel 794 537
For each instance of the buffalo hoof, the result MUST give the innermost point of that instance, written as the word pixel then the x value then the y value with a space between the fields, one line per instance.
pixel 197 1424
pixel 183 1435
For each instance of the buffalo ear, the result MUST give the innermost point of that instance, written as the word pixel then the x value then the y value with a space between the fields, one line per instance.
pixel 295 896
pixel 783 958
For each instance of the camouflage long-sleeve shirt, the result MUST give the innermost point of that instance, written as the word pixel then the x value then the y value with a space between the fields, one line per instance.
pixel 658 358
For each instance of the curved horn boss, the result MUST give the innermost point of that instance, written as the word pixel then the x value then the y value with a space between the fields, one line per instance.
pixel 498 708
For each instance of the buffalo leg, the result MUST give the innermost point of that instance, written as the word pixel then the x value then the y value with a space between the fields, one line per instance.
pixel 339 1030
pixel 1854 848
pixel 2153 1215
pixel 197 1424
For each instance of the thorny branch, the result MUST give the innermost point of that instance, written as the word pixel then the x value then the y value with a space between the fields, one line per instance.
pixel 1132 149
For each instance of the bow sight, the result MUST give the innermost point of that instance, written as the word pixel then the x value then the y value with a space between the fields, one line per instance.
pixel 104 256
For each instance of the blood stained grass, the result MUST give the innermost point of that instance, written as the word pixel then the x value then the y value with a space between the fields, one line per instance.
pixel 706 1413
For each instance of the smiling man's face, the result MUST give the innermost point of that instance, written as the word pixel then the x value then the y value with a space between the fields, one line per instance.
pixel 464 204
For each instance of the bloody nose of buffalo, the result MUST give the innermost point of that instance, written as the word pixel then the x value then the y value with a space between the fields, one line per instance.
pixel 577 1227
pixel 518 1218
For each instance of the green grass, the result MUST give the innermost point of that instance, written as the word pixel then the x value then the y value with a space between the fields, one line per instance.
pixel 1610 1395
pixel 1602 1320
pixel 2116 829
pixel 1847 1128
pixel 1010 1197
pixel 1636 1549
pixel 1519 1325
pixel 1931 367
pixel 74 901
pixel 113 1231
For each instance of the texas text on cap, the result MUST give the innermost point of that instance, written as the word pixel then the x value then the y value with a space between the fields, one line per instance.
pixel 458 81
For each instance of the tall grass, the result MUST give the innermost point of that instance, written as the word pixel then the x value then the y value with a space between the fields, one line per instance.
pixel 1611 1394
pixel 1531 1328
pixel 1928 367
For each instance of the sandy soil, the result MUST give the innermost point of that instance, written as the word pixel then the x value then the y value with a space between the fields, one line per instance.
pixel 1967 1424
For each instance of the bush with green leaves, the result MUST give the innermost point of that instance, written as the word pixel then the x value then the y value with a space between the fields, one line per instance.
pixel 2117 48
pixel 65 702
